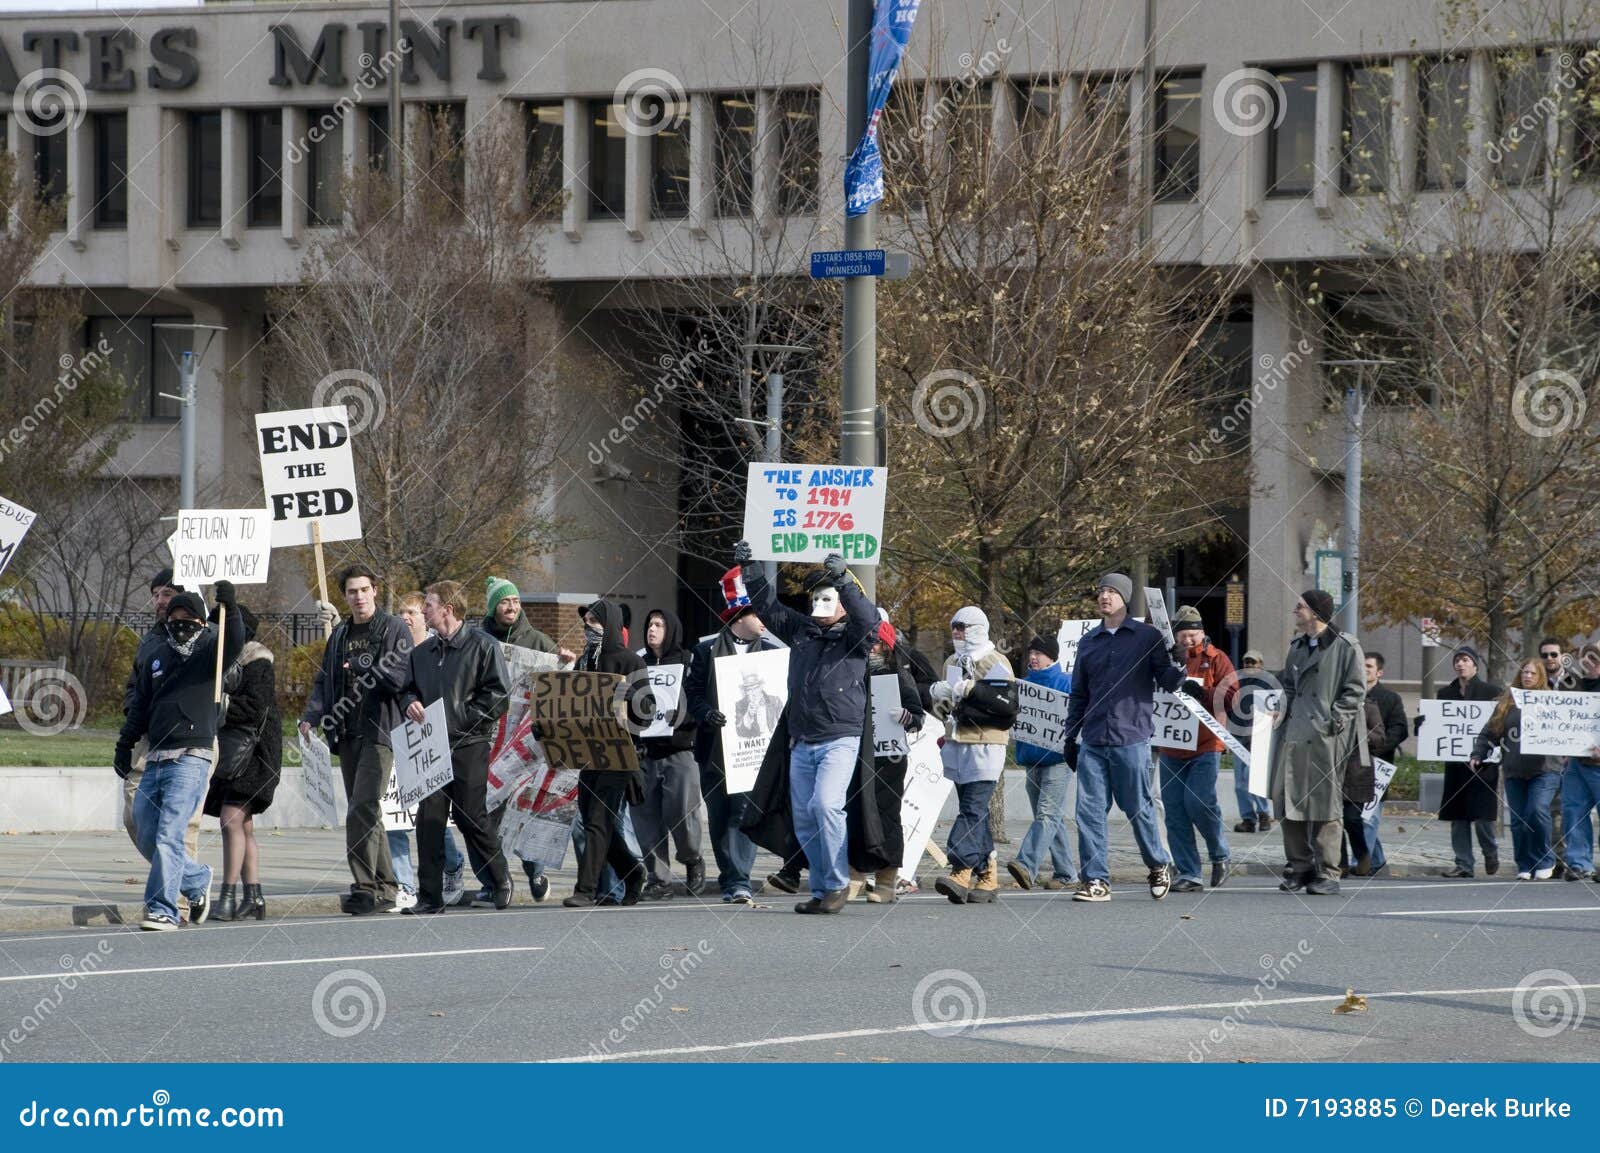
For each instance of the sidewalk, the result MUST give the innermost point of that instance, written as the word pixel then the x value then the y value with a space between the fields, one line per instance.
pixel 61 880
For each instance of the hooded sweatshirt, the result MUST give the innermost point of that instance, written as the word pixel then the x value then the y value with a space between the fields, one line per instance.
pixel 519 632
pixel 672 653
pixel 976 659
pixel 611 655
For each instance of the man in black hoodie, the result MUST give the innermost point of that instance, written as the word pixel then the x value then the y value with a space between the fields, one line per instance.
pixel 162 590
pixel 173 708
pixel 671 804
pixel 602 793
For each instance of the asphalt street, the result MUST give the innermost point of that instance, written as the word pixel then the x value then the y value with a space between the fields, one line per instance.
pixel 1485 970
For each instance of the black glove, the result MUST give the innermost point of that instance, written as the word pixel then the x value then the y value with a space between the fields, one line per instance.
pixel 224 595
pixel 1416 726
pixel 1070 752
pixel 122 761
pixel 716 719
pixel 742 553
pixel 834 566
pixel 1189 688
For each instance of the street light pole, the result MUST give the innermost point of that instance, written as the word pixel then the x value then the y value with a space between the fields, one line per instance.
pixel 188 404
pixel 859 390
pixel 1355 409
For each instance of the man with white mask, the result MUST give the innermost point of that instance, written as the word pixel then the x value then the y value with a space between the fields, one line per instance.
pixel 978 697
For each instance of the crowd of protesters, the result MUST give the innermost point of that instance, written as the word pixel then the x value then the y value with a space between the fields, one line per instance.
pixel 827 801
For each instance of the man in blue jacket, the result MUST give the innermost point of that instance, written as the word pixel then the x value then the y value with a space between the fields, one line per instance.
pixel 1121 662
pixel 827 713
pixel 1047 784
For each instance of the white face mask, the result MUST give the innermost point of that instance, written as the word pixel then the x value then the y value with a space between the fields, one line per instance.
pixel 825 603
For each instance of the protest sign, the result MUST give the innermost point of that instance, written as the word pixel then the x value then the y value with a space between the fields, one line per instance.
pixel 1156 608
pixel 927 789
pixel 14 524
pixel 1449 728
pixel 513 763
pixel 1217 728
pixel 577 715
pixel 537 823
pixel 666 689
pixel 220 544
pixel 1560 724
pixel 1382 774
pixel 1069 636
pixel 888 734
pixel 421 756
pixel 1176 725
pixel 803 512
pixel 1264 708
pixel 5 702
pixel 1041 716
pixel 751 690
pixel 397 818
pixel 522 664
pixel 316 767
pixel 308 475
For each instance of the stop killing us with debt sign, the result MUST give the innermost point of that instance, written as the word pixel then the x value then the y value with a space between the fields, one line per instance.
pixel 421 756
pixel 220 544
pixel 309 474
pixel 577 718
pixel 803 512
pixel 14 524
pixel 752 689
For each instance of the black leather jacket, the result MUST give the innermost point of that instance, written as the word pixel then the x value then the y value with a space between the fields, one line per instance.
pixel 468 672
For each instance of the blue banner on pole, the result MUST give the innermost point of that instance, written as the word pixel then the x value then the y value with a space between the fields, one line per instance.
pixel 863 172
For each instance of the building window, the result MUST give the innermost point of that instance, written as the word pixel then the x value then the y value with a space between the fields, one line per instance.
pixel 799 151
pixel 205 169
pixel 446 129
pixel 50 161
pixel 1292 143
pixel 669 162
pixel 608 192
pixel 378 138
pixel 901 143
pixel 110 169
pixel 1442 88
pixel 264 190
pixel 148 358
pixel 1177 137
pixel 736 136
pixel 324 166
pixel 1367 95
pixel 1525 103
pixel 546 125
pixel 1585 109
pixel 1104 124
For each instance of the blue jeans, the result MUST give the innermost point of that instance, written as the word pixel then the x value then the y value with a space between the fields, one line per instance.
pixel 1047 795
pixel 1580 792
pixel 971 842
pixel 735 852
pixel 1532 826
pixel 819 781
pixel 610 885
pixel 1461 841
pixel 405 875
pixel 169 793
pixel 1374 846
pixel 1119 773
pixel 1189 794
pixel 1250 805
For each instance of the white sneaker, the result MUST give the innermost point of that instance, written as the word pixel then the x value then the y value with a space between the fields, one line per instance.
pixel 1544 874
pixel 454 885
pixel 403 899
pixel 1524 876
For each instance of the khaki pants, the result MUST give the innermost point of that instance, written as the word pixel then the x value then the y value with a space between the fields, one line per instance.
pixel 1313 848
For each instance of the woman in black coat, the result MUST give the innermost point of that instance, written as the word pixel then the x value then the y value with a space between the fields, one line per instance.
pixel 1360 787
pixel 876 841
pixel 249 763
pixel 1471 797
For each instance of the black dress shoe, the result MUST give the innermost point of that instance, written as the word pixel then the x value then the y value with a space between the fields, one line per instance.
pixel 359 904
pixel 632 887
pixel 1187 886
pixel 1291 884
pixel 423 909
pixel 1219 873
pixel 696 880
pixel 1248 825
pixel 811 906
pixel 1491 863
pixel 579 901
pixel 784 882
pixel 503 895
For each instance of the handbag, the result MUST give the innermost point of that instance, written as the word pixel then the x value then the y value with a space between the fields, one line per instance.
pixel 990 704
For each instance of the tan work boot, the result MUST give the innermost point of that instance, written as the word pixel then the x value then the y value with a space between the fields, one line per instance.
pixel 883 881
pixel 985 884
pixel 956 886
pixel 858 882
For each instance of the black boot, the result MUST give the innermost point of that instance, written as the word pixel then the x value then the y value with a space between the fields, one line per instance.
pixel 255 905
pixel 227 904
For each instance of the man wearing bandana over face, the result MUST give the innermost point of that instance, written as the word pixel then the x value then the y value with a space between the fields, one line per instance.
pixel 171 704
pixel 826 712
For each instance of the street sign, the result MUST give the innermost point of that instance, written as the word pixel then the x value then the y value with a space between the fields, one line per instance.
pixel 848 262
pixel 1330 576
pixel 1235 610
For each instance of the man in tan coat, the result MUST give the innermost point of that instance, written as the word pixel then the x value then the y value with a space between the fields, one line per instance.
pixel 1320 726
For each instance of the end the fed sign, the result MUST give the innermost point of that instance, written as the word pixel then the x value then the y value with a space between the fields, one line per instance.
pixel 308 474
pixel 803 512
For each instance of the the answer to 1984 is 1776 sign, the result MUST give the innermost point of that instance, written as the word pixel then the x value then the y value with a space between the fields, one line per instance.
pixel 803 512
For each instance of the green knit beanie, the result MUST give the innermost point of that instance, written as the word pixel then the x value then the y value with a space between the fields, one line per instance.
pixel 499 589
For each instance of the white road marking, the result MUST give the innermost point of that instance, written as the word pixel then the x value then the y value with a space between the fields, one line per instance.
pixel 60 973
pixel 1502 909
pixel 1024 1019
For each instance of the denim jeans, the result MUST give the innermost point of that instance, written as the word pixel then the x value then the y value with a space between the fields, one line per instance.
pixel 1250 805
pixel 1580 793
pixel 819 781
pixel 1189 794
pixel 1047 794
pixel 610 884
pixel 1461 841
pixel 971 841
pixel 169 793
pixel 1531 824
pixel 1374 845
pixel 735 852
pixel 405 874
pixel 1118 773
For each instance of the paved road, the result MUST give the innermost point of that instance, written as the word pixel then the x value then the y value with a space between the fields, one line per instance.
pixel 1242 973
